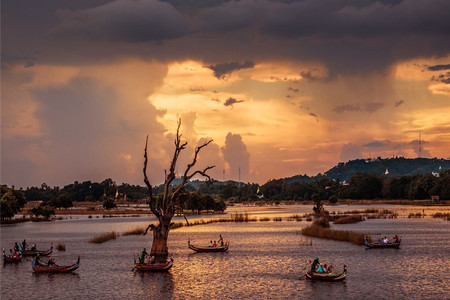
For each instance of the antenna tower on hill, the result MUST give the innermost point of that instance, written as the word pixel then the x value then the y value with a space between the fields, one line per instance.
pixel 420 144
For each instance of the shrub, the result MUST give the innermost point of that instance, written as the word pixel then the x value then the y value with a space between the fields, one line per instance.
pixel 109 203
pixel 321 222
pixel 333 199
pixel 44 210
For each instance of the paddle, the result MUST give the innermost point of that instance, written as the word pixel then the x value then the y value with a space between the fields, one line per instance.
pixel 301 276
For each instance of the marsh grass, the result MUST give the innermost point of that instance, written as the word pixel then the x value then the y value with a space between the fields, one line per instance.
pixel 277 219
pixel 349 219
pixel 356 238
pixel 134 231
pixel 265 219
pixel 297 218
pixel 444 216
pixel 104 237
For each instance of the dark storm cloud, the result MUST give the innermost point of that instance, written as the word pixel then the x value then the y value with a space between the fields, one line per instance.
pixel 377 144
pixel 444 78
pixel 332 18
pixel 347 37
pixel 309 75
pixel 439 67
pixel 398 103
pixel 126 20
pixel 222 70
pixel 230 101
pixel 368 107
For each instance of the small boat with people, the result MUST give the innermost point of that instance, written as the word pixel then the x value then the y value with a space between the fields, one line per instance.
pixel 53 268
pixel 12 257
pixel 152 266
pixel 211 248
pixel 33 251
pixel 316 271
pixel 384 243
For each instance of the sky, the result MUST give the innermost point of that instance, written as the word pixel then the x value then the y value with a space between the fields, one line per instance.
pixel 281 87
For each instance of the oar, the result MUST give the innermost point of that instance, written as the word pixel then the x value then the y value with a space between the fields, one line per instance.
pixel 301 276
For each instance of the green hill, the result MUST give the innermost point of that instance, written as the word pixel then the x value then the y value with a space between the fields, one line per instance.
pixel 391 167
pixel 396 167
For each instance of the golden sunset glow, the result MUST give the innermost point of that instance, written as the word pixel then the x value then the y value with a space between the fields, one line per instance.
pixel 275 105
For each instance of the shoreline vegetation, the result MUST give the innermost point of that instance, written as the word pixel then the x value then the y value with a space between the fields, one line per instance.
pixel 94 210
pixel 317 229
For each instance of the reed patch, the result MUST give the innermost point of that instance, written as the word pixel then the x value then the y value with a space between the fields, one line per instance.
pixel 104 237
pixel 356 238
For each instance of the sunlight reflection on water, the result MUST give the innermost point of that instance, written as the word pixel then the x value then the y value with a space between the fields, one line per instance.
pixel 265 261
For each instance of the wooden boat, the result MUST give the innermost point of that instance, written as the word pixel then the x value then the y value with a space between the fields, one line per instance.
pixel 382 245
pixel 154 268
pixel 209 249
pixel 11 259
pixel 325 276
pixel 55 268
pixel 36 252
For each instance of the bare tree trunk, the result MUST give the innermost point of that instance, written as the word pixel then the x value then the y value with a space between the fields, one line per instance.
pixel 159 246
pixel 169 201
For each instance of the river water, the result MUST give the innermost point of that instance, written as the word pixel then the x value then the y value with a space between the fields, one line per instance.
pixel 265 261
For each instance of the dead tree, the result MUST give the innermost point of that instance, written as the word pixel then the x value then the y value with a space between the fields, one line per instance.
pixel 166 210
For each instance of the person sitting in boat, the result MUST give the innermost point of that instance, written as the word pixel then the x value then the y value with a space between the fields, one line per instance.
pixel 210 244
pixel 152 260
pixel 51 262
pixel 330 269
pixel 11 254
pixel 215 244
pixel 325 268
pixel 395 238
pixel 33 248
pixel 37 260
pixel 314 264
pixel 320 269
pixel 220 240
pixel 143 255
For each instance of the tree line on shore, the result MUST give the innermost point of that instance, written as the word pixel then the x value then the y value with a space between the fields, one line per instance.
pixel 212 197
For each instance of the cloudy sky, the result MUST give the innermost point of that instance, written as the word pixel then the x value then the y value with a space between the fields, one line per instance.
pixel 282 87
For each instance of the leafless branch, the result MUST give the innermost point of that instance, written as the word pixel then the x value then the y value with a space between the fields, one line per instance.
pixel 147 183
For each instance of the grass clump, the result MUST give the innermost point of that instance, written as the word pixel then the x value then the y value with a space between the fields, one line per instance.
pixel 277 219
pixel 321 222
pixel 297 218
pixel 60 246
pixel 333 234
pixel 349 219
pixel 104 237
pixel 265 219
pixel 445 216
pixel 240 217
pixel 134 231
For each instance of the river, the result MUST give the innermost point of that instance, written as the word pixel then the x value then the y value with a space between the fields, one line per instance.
pixel 264 261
